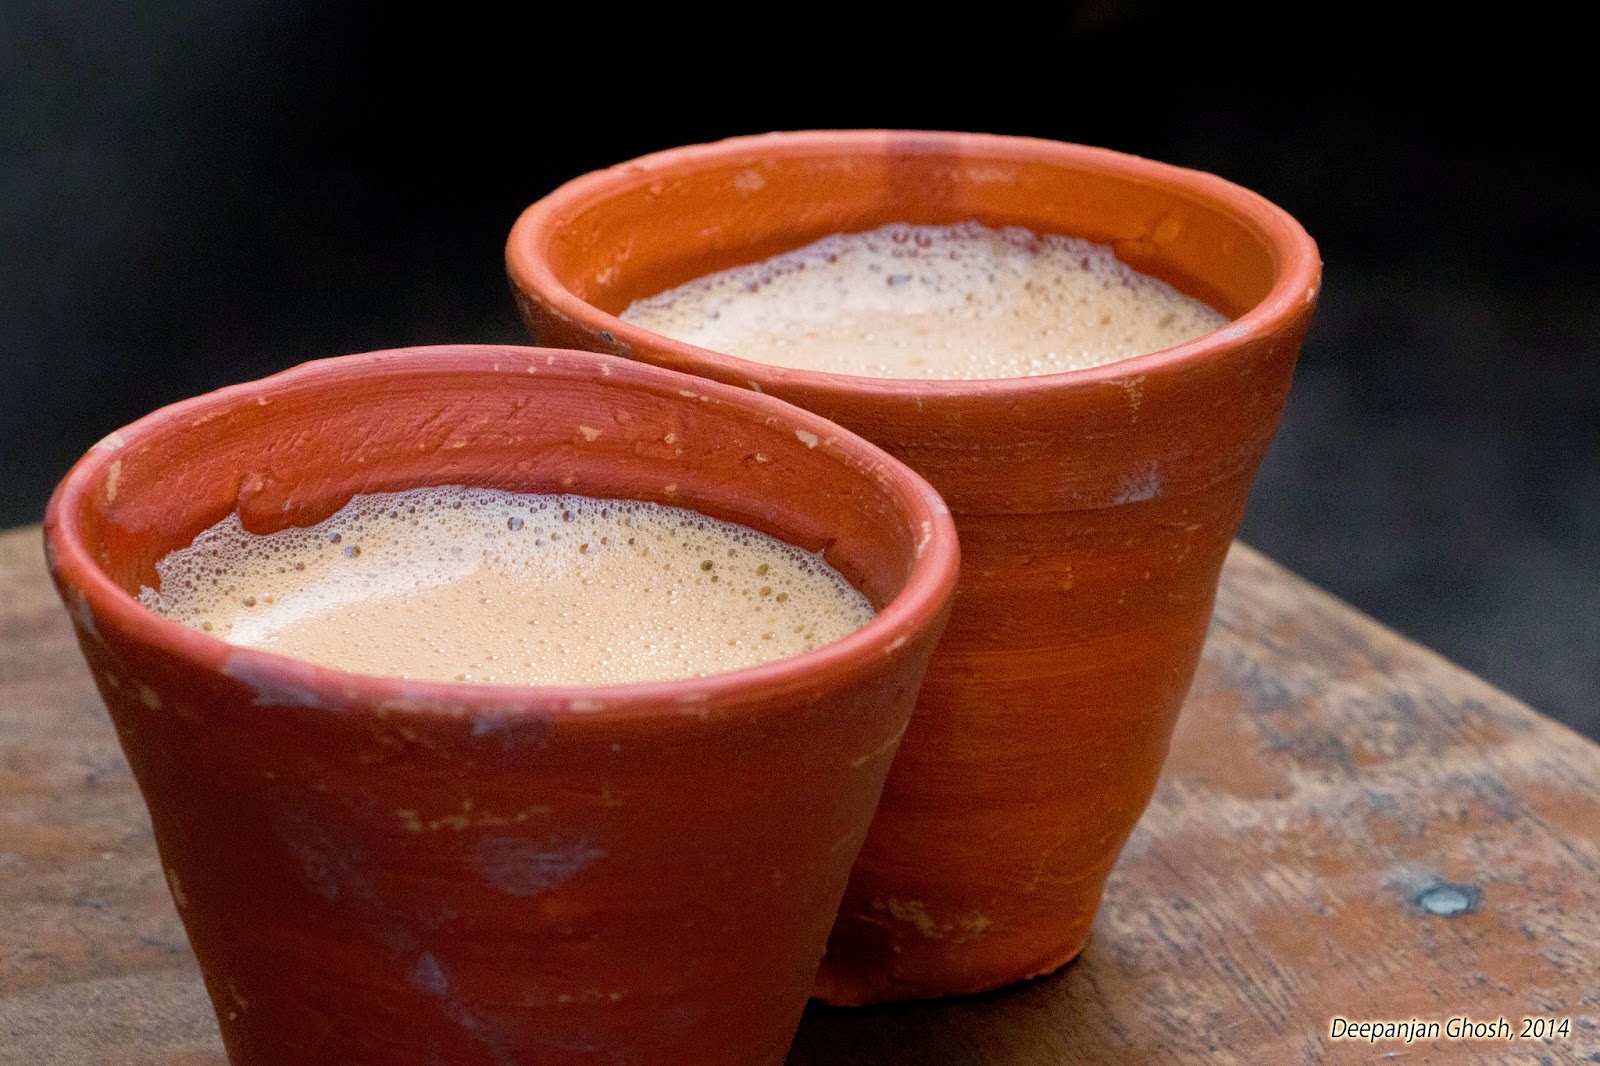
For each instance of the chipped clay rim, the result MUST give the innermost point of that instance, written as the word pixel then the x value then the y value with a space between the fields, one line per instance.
pixel 1296 263
pixel 94 600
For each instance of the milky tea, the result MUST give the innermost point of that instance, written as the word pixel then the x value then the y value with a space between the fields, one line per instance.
pixel 932 302
pixel 477 585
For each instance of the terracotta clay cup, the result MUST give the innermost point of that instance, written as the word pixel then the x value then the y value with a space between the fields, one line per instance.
pixel 1094 507
pixel 378 870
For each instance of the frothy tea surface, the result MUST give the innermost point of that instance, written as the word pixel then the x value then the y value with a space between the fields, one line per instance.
pixel 485 586
pixel 939 302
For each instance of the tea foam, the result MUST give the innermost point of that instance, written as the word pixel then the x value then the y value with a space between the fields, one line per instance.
pixel 479 585
pixel 937 302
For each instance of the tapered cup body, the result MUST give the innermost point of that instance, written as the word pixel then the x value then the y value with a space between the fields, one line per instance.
pixel 1094 507
pixel 381 870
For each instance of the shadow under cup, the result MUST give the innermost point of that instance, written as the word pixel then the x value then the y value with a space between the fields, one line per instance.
pixel 1095 507
pixel 371 869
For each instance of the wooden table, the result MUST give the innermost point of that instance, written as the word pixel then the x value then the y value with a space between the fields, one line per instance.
pixel 1348 827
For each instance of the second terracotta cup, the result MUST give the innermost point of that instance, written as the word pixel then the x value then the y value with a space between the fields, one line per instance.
pixel 1094 508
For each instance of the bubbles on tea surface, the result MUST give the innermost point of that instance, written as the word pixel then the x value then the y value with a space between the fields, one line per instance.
pixel 936 302
pixel 486 586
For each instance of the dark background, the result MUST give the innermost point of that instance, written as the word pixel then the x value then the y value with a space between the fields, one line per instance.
pixel 199 192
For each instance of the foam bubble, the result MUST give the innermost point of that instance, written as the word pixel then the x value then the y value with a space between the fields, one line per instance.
pixel 486 586
pixel 938 302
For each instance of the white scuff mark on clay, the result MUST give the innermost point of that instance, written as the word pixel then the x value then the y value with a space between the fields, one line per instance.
pixel 670 438
pixel 990 175
pixel 887 746
pixel 78 608
pixel 522 867
pixel 972 925
pixel 755 385
pixel 670 489
pixel 409 702
pixel 113 480
pixel 429 975
pixel 688 395
pixel 109 443
pixel 149 698
pixel 1233 333
pixel 413 822
pixel 762 458
pixel 177 889
pixel 581 704
pixel 1140 486
pixel 912 911
pixel 807 438
pixel 749 181
pixel 270 690
pixel 238 999
pixel 589 432
pixel 927 535
pixel 915 913
pixel 1134 387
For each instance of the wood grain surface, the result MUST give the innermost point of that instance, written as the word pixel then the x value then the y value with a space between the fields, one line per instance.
pixel 1348 827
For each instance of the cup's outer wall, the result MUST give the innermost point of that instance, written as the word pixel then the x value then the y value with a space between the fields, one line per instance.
pixel 371 869
pixel 1094 508
pixel 368 887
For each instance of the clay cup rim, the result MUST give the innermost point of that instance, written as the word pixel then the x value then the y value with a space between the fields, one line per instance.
pixel 97 601
pixel 1295 262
